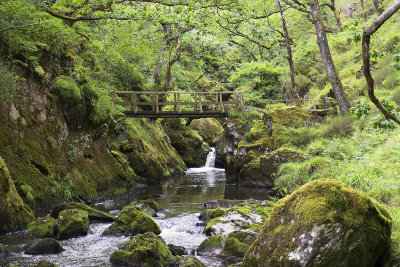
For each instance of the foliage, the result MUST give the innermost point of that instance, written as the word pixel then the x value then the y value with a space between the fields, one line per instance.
pixel 360 108
pixel 380 122
pixel 9 83
pixel 77 146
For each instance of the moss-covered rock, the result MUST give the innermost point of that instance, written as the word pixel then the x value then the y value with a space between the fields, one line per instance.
pixel 44 263
pixel 187 142
pixel 3 252
pixel 131 221
pixel 94 215
pixel 187 261
pixel 143 250
pixel 43 227
pixel 149 206
pixel 238 242
pixel 43 246
pixel 208 128
pixel 211 245
pixel 259 172
pixel 14 214
pixel 324 223
pixel 72 222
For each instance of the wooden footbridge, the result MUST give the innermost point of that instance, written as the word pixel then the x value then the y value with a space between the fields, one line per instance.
pixel 185 104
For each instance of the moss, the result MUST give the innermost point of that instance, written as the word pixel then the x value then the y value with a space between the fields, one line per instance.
pixel 93 214
pixel 212 241
pixel 209 229
pixel 321 203
pixel 132 220
pixel 143 250
pixel 72 222
pixel 237 243
pixel 256 133
pixel 42 227
pixel 44 263
pixel 188 261
pixel 14 214
pixel 151 203
pixel 208 128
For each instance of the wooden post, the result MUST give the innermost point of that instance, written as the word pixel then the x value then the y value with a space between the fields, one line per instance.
pixel 216 101
pixel 134 103
pixel 174 102
pixel 179 103
pixel 222 103
pixel 195 102
pixel 157 109
pixel 153 107
pixel 315 104
pixel 200 103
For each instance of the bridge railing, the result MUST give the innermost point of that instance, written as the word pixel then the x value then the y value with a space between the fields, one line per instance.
pixel 200 102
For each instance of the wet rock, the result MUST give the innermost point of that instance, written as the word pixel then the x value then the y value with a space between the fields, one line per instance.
pixel 43 246
pixel 14 214
pixel 249 215
pixel 94 214
pixel 232 261
pixel 177 250
pixel 237 243
pixel 211 246
pixel 224 203
pixel 43 227
pixel 72 223
pixel 149 206
pixel 44 263
pixel 208 128
pixel 187 142
pixel 143 250
pixel 324 223
pixel 3 252
pixel 131 221
pixel 259 172
pixel 187 261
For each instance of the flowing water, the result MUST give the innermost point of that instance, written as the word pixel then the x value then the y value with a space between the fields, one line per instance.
pixel 182 199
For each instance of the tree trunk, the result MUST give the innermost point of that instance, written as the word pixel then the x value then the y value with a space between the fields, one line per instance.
pixel 368 32
pixel 171 62
pixel 160 58
pixel 337 16
pixel 326 56
pixel 293 92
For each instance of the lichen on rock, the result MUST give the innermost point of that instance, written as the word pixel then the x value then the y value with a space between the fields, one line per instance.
pixel 72 222
pixel 324 223
pixel 208 128
pixel 43 227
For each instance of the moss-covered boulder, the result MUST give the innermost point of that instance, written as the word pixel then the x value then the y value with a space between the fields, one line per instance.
pixel 143 250
pixel 94 215
pixel 43 227
pixel 324 223
pixel 212 245
pixel 43 246
pixel 72 223
pixel 44 263
pixel 208 128
pixel 3 252
pixel 249 216
pixel 131 221
pixel 14 213
pixel 149 206
pixel 259 172
pixel 187 142
pixel 238 242
pixel 187 261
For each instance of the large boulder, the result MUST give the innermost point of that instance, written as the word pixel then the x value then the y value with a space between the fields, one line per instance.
pixel 14 213
pixel 131 221
pixel 212 245
pixel 149 206
pixel 43 246
pixel 44 263
pixel 208 128
pixel 143 250
pixel 324 223
pixel 238 242
pixel 187 142
pixel 72 223
pixel 43 227
pixel 95 215
pixel 259 172
pixel 187 261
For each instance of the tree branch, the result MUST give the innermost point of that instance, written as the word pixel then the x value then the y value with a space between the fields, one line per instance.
pixel 19 27
pixel 297 6
pixel 367 33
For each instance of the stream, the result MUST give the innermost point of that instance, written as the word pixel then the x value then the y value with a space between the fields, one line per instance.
pixel 182 199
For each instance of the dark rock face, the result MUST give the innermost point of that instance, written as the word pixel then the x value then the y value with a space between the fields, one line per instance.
pixel 72 222
pixel 143 250
pixel 324 223
pixel 43 246
pixel 131 221
pixel 177 250
pixel 94 214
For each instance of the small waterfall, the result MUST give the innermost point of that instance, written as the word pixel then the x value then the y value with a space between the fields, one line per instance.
pixel 210 161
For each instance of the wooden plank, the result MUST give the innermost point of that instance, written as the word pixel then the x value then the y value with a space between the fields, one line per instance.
pixel 174 102
pixel 157 107
pixel 195 101
pixel 200 104
pixel 179 103
pixel 221 103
